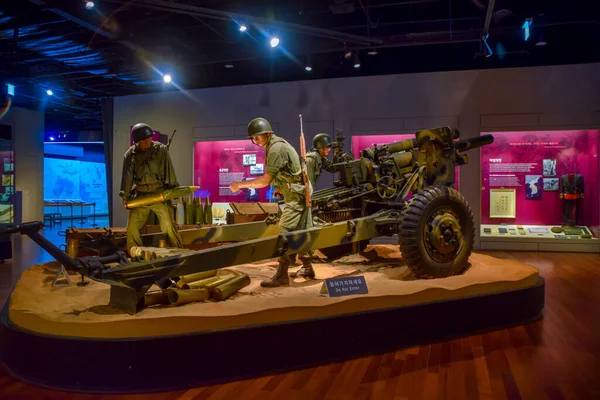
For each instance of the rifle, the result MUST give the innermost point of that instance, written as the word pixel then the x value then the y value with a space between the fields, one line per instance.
pixel 171 139
pixel 303 164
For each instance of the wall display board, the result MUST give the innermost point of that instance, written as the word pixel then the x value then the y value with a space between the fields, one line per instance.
pixel 363 141
pixel 81 182
pixel 541 183
pixel 217 164
pixel 7 190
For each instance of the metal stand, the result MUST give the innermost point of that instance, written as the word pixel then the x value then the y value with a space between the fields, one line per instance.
pixel 94 216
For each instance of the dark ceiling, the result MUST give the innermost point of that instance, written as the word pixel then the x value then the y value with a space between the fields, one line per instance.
pixel 123 47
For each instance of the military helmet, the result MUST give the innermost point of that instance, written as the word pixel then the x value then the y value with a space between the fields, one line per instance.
pixel 140 132
pixel 258 126
pixel 321 140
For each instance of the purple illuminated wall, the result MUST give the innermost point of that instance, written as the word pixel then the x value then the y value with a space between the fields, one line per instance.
pixel 217 164
pixel 515 155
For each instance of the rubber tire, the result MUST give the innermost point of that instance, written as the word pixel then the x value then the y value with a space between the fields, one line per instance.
pixel 342 250
pixel 412 241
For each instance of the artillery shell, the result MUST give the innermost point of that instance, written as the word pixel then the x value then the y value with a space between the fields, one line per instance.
pixel 195 277
pixel 199 284
pixel 178 296
pixel 221 281
pixel 227 289
pixel 154 298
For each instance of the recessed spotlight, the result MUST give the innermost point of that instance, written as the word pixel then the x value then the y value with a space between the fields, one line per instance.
pixel 243 28
pixel 228 65
pixel 167 78
pixel 89 5
pixel 274 41
pixel 49 92
pixel 308 68
pixel 356 60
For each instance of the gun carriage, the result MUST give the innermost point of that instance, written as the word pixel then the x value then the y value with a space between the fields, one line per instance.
pixel 403 188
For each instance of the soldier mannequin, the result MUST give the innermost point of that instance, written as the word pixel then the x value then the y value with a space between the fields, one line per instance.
pixel 283 168
pixel 147 169
pixel 316 159
pixel 570 187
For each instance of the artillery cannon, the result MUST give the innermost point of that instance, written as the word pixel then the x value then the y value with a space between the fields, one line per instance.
pixel 436 227
pixel 402 188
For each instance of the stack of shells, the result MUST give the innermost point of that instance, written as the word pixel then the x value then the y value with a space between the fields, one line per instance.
pixel 198 287
pixel 193 210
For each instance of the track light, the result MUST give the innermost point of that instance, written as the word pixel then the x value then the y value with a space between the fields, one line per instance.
pixel 49 92
pixel 167 78
pixel 274 41
pixel 89 5
pixel 355 60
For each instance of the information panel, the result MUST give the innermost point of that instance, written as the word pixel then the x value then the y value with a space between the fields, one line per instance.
pixel 218 164
pixel 539 166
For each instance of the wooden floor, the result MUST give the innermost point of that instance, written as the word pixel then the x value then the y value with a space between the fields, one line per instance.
pixel 557 357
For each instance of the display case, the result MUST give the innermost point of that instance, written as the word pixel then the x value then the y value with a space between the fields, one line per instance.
pixel 7 192
pixel 541 187
pixel 361 142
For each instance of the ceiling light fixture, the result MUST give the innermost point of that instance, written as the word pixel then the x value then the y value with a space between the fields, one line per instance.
pixel 355 60
pixel 541 43
pixel 167 78
pixel 228 65
pixel 308 68
pixel 89 5
pixel 243 28
pixel 274 41
pixel 372 52
pixel 49 92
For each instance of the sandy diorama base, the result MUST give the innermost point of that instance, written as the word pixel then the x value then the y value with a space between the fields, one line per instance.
pixel 83 312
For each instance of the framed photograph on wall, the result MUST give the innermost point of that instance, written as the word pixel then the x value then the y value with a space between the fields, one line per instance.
pixel 503 203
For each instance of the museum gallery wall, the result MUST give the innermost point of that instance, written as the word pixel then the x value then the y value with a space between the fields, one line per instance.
pixel 537 98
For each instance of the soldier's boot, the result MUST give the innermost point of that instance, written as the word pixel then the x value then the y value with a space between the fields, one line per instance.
pixel 306 271
pixel 280 278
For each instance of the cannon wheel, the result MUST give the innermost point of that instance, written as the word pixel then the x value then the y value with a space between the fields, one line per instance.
pixel 437 233
pixel 343 249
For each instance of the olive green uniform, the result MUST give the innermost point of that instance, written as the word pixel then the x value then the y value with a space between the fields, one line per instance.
pixel 147 172
pixel 284 164
pixel 315 164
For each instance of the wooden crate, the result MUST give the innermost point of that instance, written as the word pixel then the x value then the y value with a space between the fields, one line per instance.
pixel 250 212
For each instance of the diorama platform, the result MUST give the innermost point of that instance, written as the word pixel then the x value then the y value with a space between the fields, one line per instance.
pixel 80 343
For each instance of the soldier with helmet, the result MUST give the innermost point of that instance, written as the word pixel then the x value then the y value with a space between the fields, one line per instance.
pixel 284 170
pixel 147 169
pixel 316 159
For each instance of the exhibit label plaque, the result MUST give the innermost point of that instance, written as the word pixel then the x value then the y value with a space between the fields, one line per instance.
pixel 503 203
pixel 345 286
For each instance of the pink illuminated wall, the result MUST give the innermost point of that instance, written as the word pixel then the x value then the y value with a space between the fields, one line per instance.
pixel 361 142
pixel 515 155
pixel 217 164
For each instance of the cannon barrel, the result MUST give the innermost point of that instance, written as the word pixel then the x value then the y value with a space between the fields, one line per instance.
pixel 402 145
pixel 473 143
